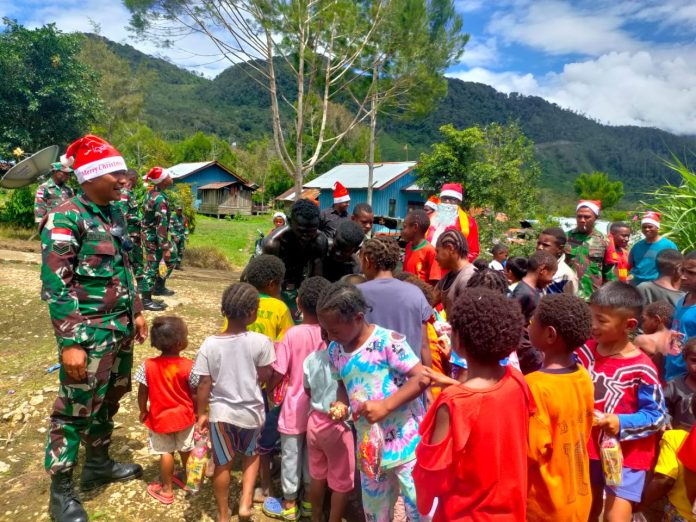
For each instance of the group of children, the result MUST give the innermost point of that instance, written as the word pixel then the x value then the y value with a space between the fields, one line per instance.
pixel 423 368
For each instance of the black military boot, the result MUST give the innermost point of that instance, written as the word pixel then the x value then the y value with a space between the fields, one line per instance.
pixel 149 304
pixel 160 289
pixel 64 506
pixel 99 469
pixel 178 267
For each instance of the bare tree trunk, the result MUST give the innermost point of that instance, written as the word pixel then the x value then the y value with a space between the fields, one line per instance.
pixel 373 135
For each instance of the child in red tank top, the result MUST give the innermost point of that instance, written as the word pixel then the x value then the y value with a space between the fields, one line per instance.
pixel 166 402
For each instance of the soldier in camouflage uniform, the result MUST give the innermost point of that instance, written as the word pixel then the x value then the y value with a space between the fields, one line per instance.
pixel 586 250
pixel 53 192
pixel 96 315
pixel 179 234
pixel 128 204
pixel 158 247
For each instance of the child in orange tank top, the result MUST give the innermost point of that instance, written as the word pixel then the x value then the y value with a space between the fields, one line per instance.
pixel 166 402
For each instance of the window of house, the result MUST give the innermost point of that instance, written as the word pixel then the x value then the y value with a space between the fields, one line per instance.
pixel 392 208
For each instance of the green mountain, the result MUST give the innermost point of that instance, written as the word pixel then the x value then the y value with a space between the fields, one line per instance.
pixel 235 108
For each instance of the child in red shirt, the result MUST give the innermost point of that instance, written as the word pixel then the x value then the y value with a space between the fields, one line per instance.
pixel 473 450
pixel 420 255
pixel 166 382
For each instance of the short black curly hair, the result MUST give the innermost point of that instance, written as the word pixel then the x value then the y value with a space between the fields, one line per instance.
pixel 349 233
pixel 168 332
pixel 569 315
pixel 382 252
pixel 488 278
pixel 619 296
pixel 345 299
pixel 487 324
pixel 305 209
pixel 309 293
pixel 542 258
pixel 454 239
pixel 662 309
pixel 498 248
pixel 428 290
pixel 239 300
pixel 419 218
pixel 263 270
pixel 518 266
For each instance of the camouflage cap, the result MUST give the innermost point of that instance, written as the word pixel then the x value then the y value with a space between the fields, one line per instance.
pixel 58 166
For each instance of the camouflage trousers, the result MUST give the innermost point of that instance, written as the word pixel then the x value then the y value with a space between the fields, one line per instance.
pixel 153 256
pixel 84 410
pixel 180 245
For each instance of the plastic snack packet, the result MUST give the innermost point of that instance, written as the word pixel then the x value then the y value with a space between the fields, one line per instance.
pixel 370 451
pixel 278 393
pixel 612 459
pixel 197 463
pixel 162 268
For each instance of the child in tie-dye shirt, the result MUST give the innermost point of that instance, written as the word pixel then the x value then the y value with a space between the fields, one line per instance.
pixel 382 378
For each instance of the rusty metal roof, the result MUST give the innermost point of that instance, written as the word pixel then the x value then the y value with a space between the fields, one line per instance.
pixel 217 185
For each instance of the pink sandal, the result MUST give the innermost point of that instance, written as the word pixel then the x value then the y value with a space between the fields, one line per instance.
pixel 155 491
pixel 178 480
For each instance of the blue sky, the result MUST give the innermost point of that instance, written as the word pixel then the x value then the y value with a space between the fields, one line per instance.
pixel 620 62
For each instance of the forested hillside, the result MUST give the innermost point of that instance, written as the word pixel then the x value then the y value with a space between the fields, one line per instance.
pixel 235 108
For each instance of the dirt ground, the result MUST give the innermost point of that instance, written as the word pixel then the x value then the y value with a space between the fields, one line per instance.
pixel 27 350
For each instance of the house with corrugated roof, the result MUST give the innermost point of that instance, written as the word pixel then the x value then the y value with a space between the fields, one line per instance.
pixel 394 187
pixel 217 190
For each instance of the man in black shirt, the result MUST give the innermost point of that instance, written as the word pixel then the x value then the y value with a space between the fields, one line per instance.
pixel 332 217
pixel 341 259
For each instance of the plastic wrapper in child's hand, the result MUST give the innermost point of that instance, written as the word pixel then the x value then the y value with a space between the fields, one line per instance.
pixel 197 462
pixel 612 460
pixel 370 452
pixel 338 411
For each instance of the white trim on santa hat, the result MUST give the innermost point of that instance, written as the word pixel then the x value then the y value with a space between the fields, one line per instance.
pixel 99 168
pixel 451 194
pixel 430 204
pixel 648 220
pixel 342 199
pixel 165 175
pixel 588 204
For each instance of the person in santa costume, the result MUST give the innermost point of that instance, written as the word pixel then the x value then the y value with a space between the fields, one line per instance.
pixel 643 255
pixel 331 217
pixel 587 248
pixel 450 215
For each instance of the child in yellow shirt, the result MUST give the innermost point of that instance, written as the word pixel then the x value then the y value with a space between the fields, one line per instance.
pixel 558 473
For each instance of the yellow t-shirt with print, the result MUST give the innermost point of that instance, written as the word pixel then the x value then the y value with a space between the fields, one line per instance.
pixel 273 318
pixel 669 465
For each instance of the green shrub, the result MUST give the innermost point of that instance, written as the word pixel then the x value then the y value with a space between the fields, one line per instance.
pixel 206 257
pixel 19 208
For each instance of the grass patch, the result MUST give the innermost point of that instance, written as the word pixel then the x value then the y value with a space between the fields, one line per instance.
pixel 234 238
pixel 8 231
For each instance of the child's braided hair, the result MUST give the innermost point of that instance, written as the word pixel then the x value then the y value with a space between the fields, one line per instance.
pixel 491 279
pixel 345 299
pixel 239 300
pixel 454 239
pixel 382 252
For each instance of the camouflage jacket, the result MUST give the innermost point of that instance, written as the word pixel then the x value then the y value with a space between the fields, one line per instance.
pixel 177 227
pixel 587 255
pixel 128 205
pixel 156 218
pixel 86 278
pixel 49 196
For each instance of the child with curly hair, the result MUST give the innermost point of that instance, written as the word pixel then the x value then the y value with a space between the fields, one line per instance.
pixel 166 403
pixel 231 365
pixel 419 258
pixel 564 397
pixel 298 342
pixel 473 461
pixel 382 379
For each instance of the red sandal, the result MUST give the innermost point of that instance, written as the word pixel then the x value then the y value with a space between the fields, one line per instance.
pixel 155 491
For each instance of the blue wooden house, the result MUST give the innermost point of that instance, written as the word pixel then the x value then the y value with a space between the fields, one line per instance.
pixel 217 191
pixel 394 188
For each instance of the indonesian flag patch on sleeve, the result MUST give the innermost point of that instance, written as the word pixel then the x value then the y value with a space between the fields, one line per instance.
pixel 61 234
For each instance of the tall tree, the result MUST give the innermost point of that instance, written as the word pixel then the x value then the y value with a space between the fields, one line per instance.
pixel 47 96
pixel 418 40
pixel 495 164
pixel 597 185
pixel 319 41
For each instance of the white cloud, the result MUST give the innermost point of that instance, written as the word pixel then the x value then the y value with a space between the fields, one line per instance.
pixel 558 28
pixel 622 88
pixel 480 52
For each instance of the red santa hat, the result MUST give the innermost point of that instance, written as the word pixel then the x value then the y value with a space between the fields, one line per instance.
pixel 452 190
pixel 340 193
pixel 594 205
pixel 433 202
pixel 651 218
pixel 157 175
pixel 91 157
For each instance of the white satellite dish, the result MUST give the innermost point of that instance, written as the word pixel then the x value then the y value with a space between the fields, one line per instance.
pixel 30 169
